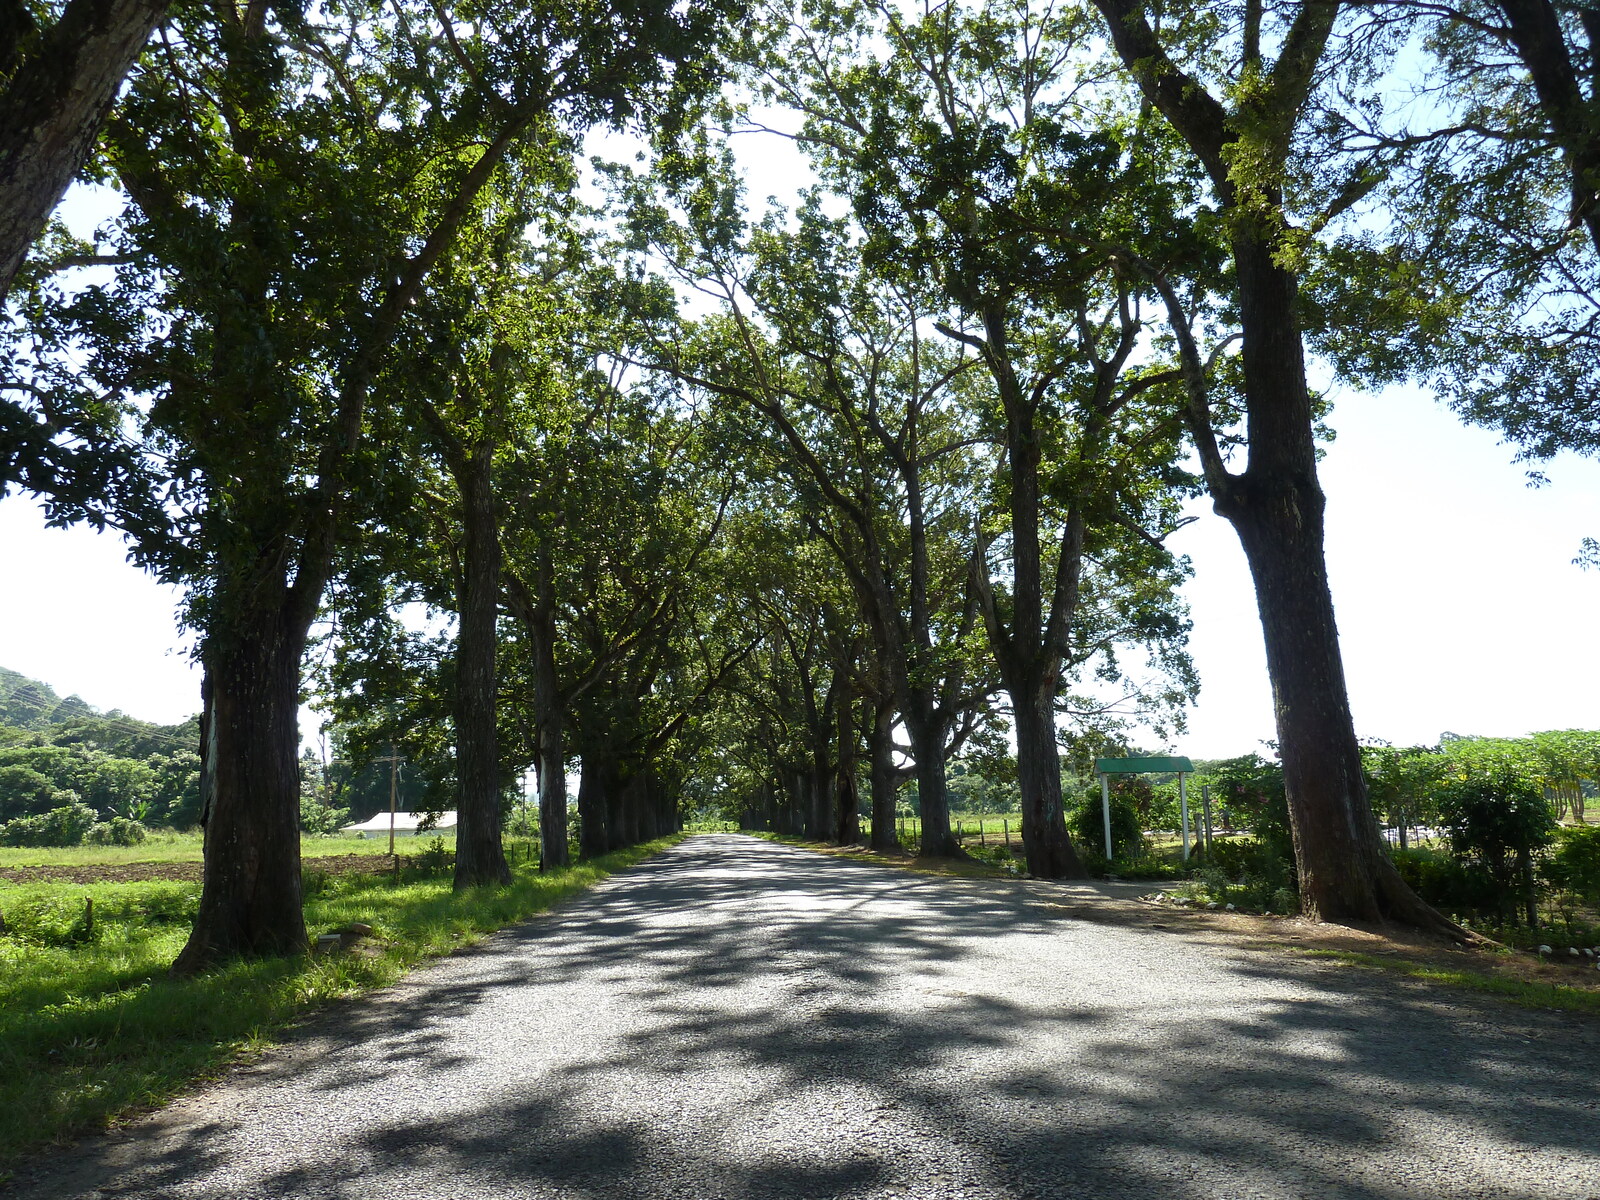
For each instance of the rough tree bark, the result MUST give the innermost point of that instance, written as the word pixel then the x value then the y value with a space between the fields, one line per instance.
pixel 594 835
pixel 250 901
pixel 480 852
pixel 53 108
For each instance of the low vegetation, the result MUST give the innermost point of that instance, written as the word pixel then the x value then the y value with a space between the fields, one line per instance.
pixel 93 1029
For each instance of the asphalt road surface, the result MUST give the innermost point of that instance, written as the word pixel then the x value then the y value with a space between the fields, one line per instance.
pixel 737 1019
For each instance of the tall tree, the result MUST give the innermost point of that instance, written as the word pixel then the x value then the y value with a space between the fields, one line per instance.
pixel 295 183
pixel 1241 126
pixel 864 409
pixel 960 138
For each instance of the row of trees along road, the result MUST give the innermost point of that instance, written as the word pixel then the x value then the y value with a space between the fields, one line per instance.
pixel 700 497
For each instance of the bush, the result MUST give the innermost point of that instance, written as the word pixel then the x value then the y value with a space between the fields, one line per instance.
pixel 1452 885
pixel 1574 865
pixel 1086 823
pixel 119 831
pixel 1498 819
pixel 1251 858
pixel 318 819
pixel 1251 788
pixel 64 826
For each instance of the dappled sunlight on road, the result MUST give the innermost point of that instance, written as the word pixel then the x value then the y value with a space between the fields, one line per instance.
pixel 740 1019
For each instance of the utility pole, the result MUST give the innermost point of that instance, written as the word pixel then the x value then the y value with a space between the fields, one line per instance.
pixel 394 761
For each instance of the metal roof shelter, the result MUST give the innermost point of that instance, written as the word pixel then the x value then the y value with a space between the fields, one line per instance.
pixel 1182 767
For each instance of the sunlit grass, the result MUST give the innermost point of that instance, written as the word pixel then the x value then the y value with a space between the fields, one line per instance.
pixel 1528 993
pixel 92 1028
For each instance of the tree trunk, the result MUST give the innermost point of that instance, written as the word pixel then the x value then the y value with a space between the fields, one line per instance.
pixel 480 854
pixel 846 811
pixel 1535 33
pixel 250 901
pixel 594 834
pixel 884 778
pixel 626 811
pixel 552 740
pixel 1047 848
pixel 927 743
pixel 1031 651
pixel 1276 507
pixel 819 790
pixel 53 109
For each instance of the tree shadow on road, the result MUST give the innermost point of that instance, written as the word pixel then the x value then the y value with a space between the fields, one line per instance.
pixel 739 1019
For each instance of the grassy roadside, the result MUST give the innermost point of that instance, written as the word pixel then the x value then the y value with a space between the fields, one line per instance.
pixel 1481 977
pixel 92 1029
pixel 1487 971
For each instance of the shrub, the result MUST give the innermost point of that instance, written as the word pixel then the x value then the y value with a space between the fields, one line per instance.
pixel 119 831
pixel 1251 788
pixel 1242 858
pixel 318 819
pixel 64 826
pixel 1086 823
pixel 1574 865
pixel 1451 885
pixel 1498 818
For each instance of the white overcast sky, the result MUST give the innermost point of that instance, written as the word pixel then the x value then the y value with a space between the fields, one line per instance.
pixel 1458 604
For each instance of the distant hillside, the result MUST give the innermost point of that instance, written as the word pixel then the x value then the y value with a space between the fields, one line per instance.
pixel 34 706
pixel 29 704
pixel 55 753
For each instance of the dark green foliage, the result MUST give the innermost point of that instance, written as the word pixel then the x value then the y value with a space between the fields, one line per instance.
pixel 1250 789
pixel 1450 884
pixel 119 831
pixel 1241 859
pixel 1574 863
pixel 1497 819
pixel 63 752
pixel 66 826
pixel 1086 823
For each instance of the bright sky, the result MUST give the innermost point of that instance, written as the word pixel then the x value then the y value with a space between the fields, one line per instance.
pixel 1458 605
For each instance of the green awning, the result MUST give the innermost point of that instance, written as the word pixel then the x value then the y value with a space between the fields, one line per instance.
pixel 1138 766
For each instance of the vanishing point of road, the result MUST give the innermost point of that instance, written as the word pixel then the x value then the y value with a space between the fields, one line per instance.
pixel 736 1019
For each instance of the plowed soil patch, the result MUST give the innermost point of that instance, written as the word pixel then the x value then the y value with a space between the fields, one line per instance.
pixel 339 864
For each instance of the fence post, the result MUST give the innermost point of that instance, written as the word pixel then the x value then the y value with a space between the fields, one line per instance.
pixel 1006 825
pixel 1205 803
pixel 1105 809
pixel 1183 811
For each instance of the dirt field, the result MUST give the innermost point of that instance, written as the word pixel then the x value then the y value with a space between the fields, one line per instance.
pixel 340 864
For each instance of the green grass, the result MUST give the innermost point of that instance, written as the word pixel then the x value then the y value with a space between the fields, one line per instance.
pixel 186 847
pixel 91 1030
pixel 1527 993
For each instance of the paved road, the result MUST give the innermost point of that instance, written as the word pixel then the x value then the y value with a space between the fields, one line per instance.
pixel 736 1019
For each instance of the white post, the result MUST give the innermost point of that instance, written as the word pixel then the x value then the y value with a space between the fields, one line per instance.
pixel 394 767
pixel 1183 809
pixel 1105 809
